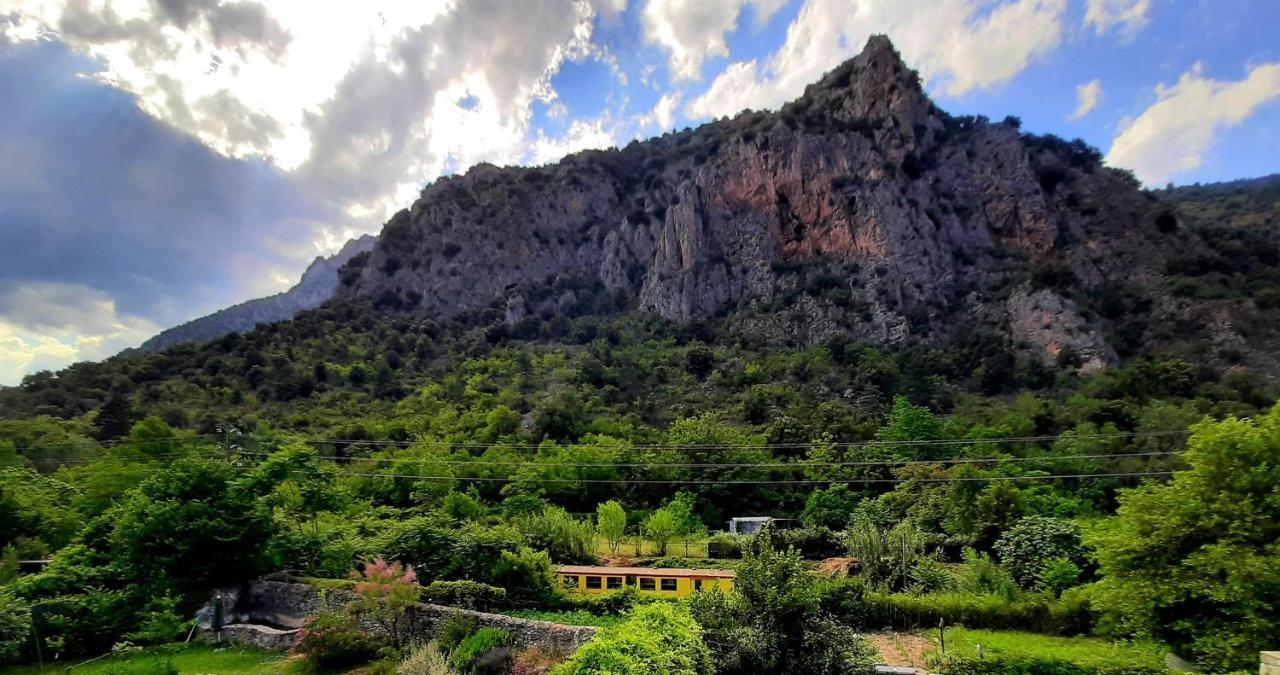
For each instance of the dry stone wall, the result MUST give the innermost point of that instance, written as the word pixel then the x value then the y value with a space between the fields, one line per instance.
pixel 268 613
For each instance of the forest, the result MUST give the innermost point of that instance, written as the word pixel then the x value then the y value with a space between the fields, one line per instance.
pixel 1047 519
pixel 1137 504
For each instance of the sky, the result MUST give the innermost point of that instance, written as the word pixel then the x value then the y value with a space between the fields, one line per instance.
pixel 161 159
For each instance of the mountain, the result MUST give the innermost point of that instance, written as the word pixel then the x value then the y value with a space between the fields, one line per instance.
pixel 316 286
pixel 860 209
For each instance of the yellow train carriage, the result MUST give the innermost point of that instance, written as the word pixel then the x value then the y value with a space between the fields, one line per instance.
pixel 674 583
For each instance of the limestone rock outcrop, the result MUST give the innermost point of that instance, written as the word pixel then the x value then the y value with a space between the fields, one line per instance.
pixel 861 204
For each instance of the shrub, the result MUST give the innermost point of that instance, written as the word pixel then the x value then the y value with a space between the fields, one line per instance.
pixel 535 661
pixel 15 626
pixel 465 594
pixel 454 630
pixel 906 611
pixel 332 640
pixel 657 638
pixel 384 596
pixel 812 543
pixel 81 623
pixel 425 659
pixel 565 538
pixel 1031 542
pixel 476 645
pixel 525 574
pixel 161 622
pixel 929 576
pixel 726 545
pixel 1057 575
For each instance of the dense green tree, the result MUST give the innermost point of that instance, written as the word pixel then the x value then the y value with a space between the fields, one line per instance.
pixel 831 507
pixel 661 527
pixel 611 523
pixel 1194 561
pixel 189 528
pixel 771 621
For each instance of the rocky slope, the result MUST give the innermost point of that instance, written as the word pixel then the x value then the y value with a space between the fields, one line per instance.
pixel 316 286
pixel 860 208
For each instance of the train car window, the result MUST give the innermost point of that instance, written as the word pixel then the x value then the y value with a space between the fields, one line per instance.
pixel 647 584
pixel 570 580
pixel 613 582
pixel 669 585
pixel 593 582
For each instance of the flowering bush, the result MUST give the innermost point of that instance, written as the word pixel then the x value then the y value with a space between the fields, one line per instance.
pixel 383 597
pixel 332 641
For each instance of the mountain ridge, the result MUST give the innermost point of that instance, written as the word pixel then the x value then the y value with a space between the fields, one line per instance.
pixel 928 226
pixel 314 287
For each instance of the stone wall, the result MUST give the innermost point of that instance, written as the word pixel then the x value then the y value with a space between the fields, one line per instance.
pixel 267 613
pixel 1270 663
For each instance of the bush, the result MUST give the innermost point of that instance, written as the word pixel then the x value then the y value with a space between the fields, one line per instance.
pixel 906 611
pixel 813 543
pixel 161 622
pixel 425 659
pixel 454 630
pixel 15 627
pixel 525 574
pixel 476 645
pixel 1057 575
pixel 332 640
pixel 535 661
pixel 657 638
pixel 726 545
pixel 465 594
pixel 1033 541
pixel 567 539
pixel 82 623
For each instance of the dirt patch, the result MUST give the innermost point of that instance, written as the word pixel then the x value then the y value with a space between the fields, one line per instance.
pixel 901 649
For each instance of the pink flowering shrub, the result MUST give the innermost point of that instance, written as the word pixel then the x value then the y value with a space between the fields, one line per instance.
pixel 384 595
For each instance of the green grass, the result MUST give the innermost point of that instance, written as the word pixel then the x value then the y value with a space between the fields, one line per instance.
pixel 1082 651
pixel 572 617
pixel 630 548
pixel 184 659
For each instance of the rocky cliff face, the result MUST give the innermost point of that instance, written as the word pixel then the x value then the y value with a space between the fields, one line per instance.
pixel 316 286
pixel 860 208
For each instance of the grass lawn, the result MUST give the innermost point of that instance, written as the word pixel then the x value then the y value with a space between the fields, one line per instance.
pixel 628 548
pixel 1082 651
pixel 184 659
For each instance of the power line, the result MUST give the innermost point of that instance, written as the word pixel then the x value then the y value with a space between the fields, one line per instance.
pixel 824 481
pixel 800 464
pixel 780 446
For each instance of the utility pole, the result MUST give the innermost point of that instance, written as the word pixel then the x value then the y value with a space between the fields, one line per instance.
pixel 227 445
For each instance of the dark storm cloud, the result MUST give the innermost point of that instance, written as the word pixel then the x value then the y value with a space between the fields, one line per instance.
pixel 94 192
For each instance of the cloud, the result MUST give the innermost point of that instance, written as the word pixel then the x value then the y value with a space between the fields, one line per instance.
pixel 957 45
pixel 662 116
pixel 582 134
pixel 358 100
pixel 94 193
pixel 45 326
pixel 1173 134
pixel 1087 97
pixel 1128 17
pixel 693 30
pixel 393 119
